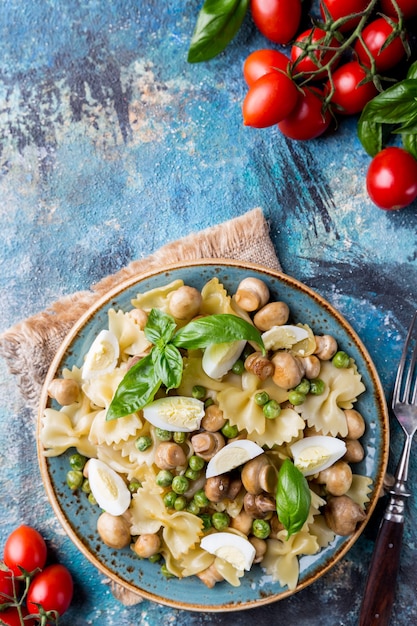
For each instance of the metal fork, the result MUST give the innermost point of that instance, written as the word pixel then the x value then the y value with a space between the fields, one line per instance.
pixel 381 582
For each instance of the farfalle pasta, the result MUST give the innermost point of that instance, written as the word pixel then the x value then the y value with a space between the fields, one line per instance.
pixel 207 499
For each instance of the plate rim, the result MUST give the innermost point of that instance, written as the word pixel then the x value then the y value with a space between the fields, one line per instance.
pixel 104 299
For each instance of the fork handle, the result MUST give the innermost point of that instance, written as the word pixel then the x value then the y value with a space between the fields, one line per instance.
pixel 382 575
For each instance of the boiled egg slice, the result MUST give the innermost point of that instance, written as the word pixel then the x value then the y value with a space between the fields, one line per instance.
pixel 108 488
pixel 175 413
pixel 283 337
pixel 234 549
pixel 232 455
pixel 314 454
pixel 219 358
pixel 102 356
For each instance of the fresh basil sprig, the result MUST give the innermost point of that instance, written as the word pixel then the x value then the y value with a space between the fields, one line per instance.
pixel 392 111
pixel 164 364
pixel 293 498
pixel 217 24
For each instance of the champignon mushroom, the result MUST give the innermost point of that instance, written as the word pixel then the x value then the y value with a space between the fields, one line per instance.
pixel 114 530
pixel 169 455
pixel 272 314
pixel 207 444
pixel 185 302
pixel 342 515
pixel 139 316
pixel 337 478
pixel 213 418
pixel 210 576
pixel 355 424
pixel 216 487
pixel 260 506
pixel 259 365
pixel 260 548
pixel 287 370
pixel 64 390
pixel 354 451
pixel 326 347
pixel 252 294
pixel 311 366
pixel 147 545
pixel 259 475
pixel 242 522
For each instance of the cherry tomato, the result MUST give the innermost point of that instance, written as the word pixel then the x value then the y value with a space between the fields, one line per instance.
pixel 263 62
pixel 408 8
pixel 271 98
pixel 6 587
pixel 375 35
pixel 277 20
pixel 343 8
pixel 11 617
pixel 307 120
pixel 52 589
pixel 349 94
pixel 307 64
pixel 25 547
pixel 391 180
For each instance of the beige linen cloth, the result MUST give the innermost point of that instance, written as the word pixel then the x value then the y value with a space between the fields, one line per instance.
pixel 29 346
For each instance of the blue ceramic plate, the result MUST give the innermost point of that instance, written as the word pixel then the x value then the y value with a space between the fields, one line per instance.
pixel 78 517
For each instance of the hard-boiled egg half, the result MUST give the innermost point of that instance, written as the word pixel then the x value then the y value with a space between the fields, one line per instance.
pixel 234 549
pixel 175 413
pixel 102 356
pixel 108 488
pixel 232 455
pixel 281 337
pixel 219 358
pixel 314 454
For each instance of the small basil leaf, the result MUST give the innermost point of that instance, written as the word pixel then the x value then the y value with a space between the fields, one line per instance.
pixel 293 498
pixel 410 144
pixel 137 388
pixel 217 24
pixel 412 71
pixel 370 136
pixel 168 366
pixel 160 327
pixel 214 329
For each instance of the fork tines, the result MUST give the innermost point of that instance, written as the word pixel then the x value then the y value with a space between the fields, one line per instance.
pixel 405 388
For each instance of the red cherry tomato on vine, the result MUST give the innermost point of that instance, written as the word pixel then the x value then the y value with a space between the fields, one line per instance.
pixel 304 63
pixel 6 587
pixel 277 20
pixel 52 589
pixel 349 95
pixel 11 617
pixel 307 120
pixel 375 35
pixel 342 8
pixel 391 180
pixel 263 62
pixel 271 98
pixel 25 547
pixel 408 8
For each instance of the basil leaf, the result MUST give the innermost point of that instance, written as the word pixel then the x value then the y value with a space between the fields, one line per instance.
pixel 168 366
pixel 217 24
pixel 412 70
pixel 214 329
pixel 370 136
pixel 293 497
pixel 410 144
pixel 137 388
pixel 160 327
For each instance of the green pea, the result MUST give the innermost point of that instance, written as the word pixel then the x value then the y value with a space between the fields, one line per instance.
pixel 180 484
pixel 271 409
pixel 192 474
pixel 201 498
pixel 199 392
pixel 220 520
pixel 206 519
pixel 165 571
pixel 196 463
pixel 134 485
pixel 247 351
pixel 179 437
pixel 303 387
pixel 143 443
pixel 77 461
pixel 74 479
pixel 341 360
pixel 261 398
pixel 180 503
pixel 154 558
pixel 238 367
pixel 296 397
pixel 85 487
pixel 92 499
pixel 193 507
pixel 261 528
pixel 170 499
pixel 317 386
pixel 164 478
pixel 230 431
pixel 163 435
pixel 208 402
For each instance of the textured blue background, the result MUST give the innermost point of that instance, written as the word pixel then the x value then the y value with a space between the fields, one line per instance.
pixel 110 146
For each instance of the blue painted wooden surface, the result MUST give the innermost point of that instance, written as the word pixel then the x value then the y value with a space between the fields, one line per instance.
pixel 111 145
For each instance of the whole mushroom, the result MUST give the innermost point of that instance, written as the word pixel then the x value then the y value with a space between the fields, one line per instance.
pixel 288 371
pixel 114 530
pixel 252 294
pixel 342 515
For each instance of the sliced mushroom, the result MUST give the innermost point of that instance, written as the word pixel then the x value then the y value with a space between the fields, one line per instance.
pixel 252 294
pixel 259 365
pixel 207 444
pixel 260 506
pixel 259 475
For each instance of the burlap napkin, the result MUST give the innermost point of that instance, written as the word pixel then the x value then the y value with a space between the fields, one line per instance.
pixel 29 346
